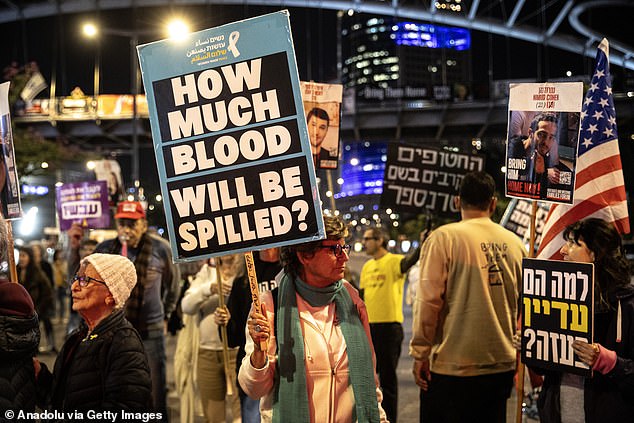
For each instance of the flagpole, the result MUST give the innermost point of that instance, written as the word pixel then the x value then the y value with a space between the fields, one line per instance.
pixel 521 369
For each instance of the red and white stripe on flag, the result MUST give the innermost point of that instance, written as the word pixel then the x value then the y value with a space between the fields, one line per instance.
pixel 599 186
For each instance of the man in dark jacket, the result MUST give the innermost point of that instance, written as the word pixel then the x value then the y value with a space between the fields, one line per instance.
pixel 102 365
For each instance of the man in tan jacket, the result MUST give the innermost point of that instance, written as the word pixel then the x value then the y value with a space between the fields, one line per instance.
pixel 465 312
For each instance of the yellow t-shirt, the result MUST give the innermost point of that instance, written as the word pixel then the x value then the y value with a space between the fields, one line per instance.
pixel 382 283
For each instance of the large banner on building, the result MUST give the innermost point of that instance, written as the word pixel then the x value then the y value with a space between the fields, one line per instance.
pixel 543 134
pixel 557 307
pixel 421 178
pixel 230 139
pixel 9 182
pixel 85 203
pixel 322 106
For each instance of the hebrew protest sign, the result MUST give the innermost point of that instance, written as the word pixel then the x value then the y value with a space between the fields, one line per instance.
pixel 85 203
pixel 418 178
pixel 230 139
pixel 557 306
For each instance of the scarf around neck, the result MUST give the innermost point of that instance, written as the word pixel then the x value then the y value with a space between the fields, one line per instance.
pixel 290 402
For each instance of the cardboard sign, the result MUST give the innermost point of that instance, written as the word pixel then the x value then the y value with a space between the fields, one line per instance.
pixel 517 219
pixel 322 106
pixel 230 139
pixel 418 178
pixel 543 134
pixel 9 181
pixel 557 306
pixel 85 203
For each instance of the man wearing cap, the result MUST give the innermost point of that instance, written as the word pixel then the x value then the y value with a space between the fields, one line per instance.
pixel 154 296
pixel 102 365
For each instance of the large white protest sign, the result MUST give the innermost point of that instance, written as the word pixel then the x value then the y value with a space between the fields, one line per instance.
pixel 230 139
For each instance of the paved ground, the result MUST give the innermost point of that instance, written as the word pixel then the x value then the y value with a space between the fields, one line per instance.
pixel 408 391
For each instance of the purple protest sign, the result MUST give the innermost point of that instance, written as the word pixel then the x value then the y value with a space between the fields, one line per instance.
pixel 85 203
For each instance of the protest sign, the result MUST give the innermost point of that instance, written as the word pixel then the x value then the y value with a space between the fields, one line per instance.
pixel 9 182
pixel 543 134
pixel 322 107
pixel 85 203
pixel 517 219
pixel 230 139
pixel 418 178
pixel 557 306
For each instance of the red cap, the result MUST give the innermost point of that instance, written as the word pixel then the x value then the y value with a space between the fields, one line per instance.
pixel 130 210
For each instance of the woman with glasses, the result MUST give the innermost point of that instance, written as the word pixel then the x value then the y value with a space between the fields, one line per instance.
pixel 607 396
pixel 309 354
pixel 102 365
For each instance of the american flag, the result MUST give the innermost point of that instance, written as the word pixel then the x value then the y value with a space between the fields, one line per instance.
pixel 599 188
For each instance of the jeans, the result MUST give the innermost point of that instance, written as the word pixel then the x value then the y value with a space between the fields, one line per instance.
pixel 249 407
pixel 387 339
pixel 154 346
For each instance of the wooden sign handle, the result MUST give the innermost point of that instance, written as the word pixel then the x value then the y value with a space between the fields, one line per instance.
pixel 255 292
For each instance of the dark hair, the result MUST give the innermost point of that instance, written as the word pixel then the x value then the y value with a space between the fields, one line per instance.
pixel 380 234
pixel 545 117
pixel 32 266
pixel 611 268
pixel 336 229
pixel 476 190
pixel 319 114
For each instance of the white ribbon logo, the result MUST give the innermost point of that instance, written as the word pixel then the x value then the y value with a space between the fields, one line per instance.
pixel 233 39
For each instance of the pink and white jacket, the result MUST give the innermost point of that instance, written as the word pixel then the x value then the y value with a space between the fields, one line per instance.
pixel 330 397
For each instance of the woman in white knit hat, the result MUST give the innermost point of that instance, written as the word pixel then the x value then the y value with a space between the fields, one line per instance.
pixel 102 365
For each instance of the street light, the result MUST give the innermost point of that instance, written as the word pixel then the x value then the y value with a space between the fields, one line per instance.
pixel 176 29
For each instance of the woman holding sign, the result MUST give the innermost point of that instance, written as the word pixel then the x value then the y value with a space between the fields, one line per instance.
pixel 608 396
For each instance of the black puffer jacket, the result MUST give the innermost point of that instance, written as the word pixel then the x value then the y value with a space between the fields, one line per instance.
pixel 19 339
pixel 609 397
pixel 106 370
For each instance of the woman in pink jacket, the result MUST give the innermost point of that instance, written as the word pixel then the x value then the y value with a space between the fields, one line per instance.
pixel 319 365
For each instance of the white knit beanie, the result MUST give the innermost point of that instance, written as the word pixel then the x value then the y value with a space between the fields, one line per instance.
pixel 117 272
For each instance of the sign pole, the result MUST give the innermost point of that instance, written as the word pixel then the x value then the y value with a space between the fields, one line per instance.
pixel 255 293
pixel 13 272
pixel 521 369
pixel 223 332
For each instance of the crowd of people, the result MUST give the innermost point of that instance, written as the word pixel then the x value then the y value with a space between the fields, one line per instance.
pixel 319 349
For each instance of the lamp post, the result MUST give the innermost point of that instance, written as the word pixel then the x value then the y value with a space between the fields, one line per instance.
pixel 176 28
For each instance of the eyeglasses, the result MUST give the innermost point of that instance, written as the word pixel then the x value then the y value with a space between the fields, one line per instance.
pixel 370 238
pixel 337 249
pixel 83 281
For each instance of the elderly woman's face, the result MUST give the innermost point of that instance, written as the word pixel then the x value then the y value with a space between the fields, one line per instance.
pixel 92 297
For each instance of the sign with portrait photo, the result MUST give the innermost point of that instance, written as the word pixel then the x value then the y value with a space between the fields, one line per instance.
pixel 9 182
pixel 543 134
pixel 230 139
pixel 322 106
pixel 557 308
